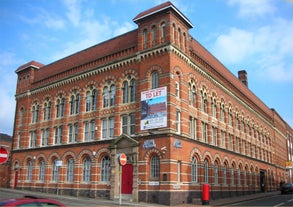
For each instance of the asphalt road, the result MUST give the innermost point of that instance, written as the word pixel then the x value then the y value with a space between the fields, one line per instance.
pixel 273 201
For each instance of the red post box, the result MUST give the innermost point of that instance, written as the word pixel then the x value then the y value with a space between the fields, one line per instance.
pixel 205 194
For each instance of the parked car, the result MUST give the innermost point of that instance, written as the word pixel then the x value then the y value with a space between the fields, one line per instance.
pixel 31 201
pixel 287 188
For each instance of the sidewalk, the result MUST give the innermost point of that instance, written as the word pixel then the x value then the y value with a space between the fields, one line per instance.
pixel 104 202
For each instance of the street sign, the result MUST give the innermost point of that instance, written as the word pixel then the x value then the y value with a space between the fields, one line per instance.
pixel 3 155
pixel 122 159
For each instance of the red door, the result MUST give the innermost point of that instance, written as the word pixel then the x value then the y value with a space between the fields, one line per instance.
pixel 127 177
pixel 15 179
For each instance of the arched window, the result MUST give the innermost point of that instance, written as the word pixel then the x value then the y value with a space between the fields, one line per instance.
pixel 74 103
pixel 129 91
pixel 60 107
pixel 222 113
pixel 21 115
pixel 42 171
pixel 109 95
pixel 192 94
pixel 204 102
pixel 30 170
pixel 216 172
pixel 105 169
pixel 47 110
pixel 105 97
pixel 154 35
pixel 86 170
pixel 35 113
pixel 145 38
pixel 155 167
pixel 70 170
pixel 225 174
pixel 214 107
pixel 163 32
pixel 206 170
pixel 91 97
pixel 155 80
pixel 55 171
pixel 194 170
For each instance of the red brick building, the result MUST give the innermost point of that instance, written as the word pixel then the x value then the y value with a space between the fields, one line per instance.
pixel 76 115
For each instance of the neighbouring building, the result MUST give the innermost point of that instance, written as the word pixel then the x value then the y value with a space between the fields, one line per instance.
pixel 158 96
pixel 5 146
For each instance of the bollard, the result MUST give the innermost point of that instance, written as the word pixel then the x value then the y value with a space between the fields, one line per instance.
pixel 205 194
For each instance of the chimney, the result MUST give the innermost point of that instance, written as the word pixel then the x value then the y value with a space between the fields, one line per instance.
pixel 242 76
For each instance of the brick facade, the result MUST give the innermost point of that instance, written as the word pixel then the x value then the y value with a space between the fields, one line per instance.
pixel 86 109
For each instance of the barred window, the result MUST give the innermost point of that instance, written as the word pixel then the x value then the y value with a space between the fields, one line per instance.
pixel 42 171
pixel 86 175
pixel 55 171
pixel 194 169
pixel 155 167
pixel 105 169
pixel 70 170
pixel 29 170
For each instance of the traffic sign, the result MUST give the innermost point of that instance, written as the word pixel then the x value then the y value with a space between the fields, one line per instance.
pixel 122 159
pixel 3 155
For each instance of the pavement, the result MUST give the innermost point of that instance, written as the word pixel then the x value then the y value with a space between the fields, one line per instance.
pixel 84 201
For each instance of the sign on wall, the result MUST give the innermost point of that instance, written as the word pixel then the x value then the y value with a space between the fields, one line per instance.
pixel 153 108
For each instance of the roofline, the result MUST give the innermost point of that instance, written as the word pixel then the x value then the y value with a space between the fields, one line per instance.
pixel 27 66
pixel 166 7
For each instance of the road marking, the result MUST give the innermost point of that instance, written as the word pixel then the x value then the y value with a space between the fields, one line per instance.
pixel 280 204
pixel 290 200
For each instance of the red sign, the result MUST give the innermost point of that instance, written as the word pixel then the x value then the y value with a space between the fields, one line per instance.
pixel 122 159
pixel 3 155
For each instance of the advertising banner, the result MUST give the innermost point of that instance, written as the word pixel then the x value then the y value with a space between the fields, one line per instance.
pixel 153 108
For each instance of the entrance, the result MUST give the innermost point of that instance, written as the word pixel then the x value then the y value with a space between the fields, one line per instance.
pixel 127 179
pixel 262 177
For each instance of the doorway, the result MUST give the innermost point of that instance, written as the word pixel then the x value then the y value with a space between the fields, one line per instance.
pixel 127 179
pixel 262 177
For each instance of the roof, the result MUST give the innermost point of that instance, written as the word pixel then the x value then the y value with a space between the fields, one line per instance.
pixel 90 54
pixel 162 7
pixel 32 63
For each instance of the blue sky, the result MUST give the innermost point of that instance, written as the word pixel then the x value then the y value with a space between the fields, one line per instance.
pixel 251 35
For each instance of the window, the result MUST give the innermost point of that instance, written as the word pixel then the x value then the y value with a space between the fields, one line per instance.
pixel 223 139
pixel 214 135
pixel 55 171
pixel 192 94
pixel 222 112
pixel 154 35
pixel 47 110
pixel 108 128
pixel 216 173
pixel 155 80
pixel 21 115
pixel 74 103
pixel 225 174
pixel 177 88
pixel 230 117
pixel 70 170
pixel 35 113
pixel 214 107
pixel 204 127
pixel 42 171
pixel 45 137
pixel 89 131
pixel 194 170
pixel 206 171
pixel 33 139
pixel 86 171
pixel 163 32
pixel 204 102
pixel 57 135
pixel 155 167
pixel 105 169
pixel 192 123
pixel 178 118
pixel 91 100
pixel 129 91
pixel 128 124
pixel 109 95
pixel 60 107
pixel 30 170
pixel 145 38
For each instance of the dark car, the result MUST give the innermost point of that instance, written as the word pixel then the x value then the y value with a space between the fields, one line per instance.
pixel 30 201
pixel 287 188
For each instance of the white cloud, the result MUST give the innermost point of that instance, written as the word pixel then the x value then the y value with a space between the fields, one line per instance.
pixel 268 48
pixel 7 91
pixel 74 11
pixel 253 8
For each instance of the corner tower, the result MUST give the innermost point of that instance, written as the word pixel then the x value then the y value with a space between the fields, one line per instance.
pixel 163 24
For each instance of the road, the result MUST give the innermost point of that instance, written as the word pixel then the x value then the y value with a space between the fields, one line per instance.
pixel 274 201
